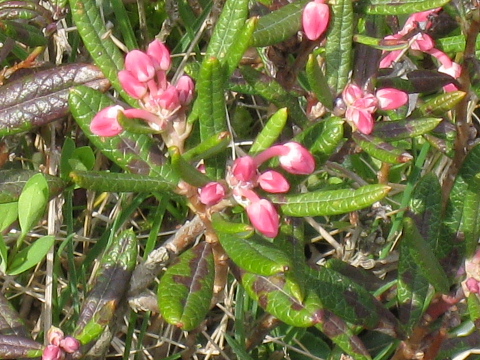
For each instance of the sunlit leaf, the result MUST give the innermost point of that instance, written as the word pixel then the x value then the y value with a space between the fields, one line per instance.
pixel 31 255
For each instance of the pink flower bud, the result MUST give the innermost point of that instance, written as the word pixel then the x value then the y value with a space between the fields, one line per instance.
pixel 185 89
pixel 352 93
pixel 362 119
pixel 131 85
pixel 264 217
pixel 168 99
pixel 105 123
pixel 315 19
pixel 389 98
pixel 273 182
pixel 423 42
pixel 297 160
pixel 212 194
pixel 140 65
pixel 160 55
pixel 472 285
pixel 70 344
pixel 368 103
pixel 52 352
pixel 244 168
pixel 54 336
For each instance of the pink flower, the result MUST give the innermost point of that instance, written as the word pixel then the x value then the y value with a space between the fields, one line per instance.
pixel 273 182
pixel 315 19
pixel 362 119
pixel 70 344
pixel 244 169
pixel 185 87
pixel 54 336
pixel 140 65
pixel 472 285
pixel 390 99
pixel 105 123
pixel 264 217
pixel 297 160
pixel 53 352
pixel 168 99
pixel 132 85
pixel 160 55
pixel 212 194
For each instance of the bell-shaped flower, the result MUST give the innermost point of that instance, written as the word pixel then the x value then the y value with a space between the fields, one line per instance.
pixel 390 99
pixel 140 65
pixel 105 122
pixel 273 182
pixel 244 169
pixel 264 217
pixel 185 87
pixel 297 160
pixel 131 85
pixel 160 55
pixel 69 344
pixel 212 193
pixel 315 18
pixel 53 352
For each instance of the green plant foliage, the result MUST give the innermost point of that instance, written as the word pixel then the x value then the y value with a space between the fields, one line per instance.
pixel 31 255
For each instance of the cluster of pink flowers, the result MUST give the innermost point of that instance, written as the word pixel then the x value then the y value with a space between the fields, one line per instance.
pixel 59 345
pixel 361 105
pixel 145 79
pixel 422 42
pixel 315 18
pixel 244 176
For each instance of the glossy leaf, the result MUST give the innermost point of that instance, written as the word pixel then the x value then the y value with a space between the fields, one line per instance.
pixel 16 347
pixel 10 321
pixel 40 98
pixel 279 25
pixel 404 129
pixel 423 255
pixel 91 27
pixel 331 202
pixel 238 229
pixel 209 147
pixel 29 11
pixel 441 104
pixel 318 82
pixel 417 81
pixel 391 7
pixel 187 172
pixel 380 44
pixel 339 45
pixel 241 42
pixel 381 150
pixel 32 202
pixel 31 255
pixel 111 284
pixel 186 289
pixel 270 132
pixel 25 33
pixel 119 182
pixel 255 254
pixel 135 153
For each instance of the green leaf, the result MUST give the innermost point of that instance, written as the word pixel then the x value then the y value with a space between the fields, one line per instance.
pixel 119 182
pixel 381 150
pixel 391 7
pixel 31 255
pixel 186 289
pixel 9 213
pixel 440 104
pixel 423 255
pixel 331 202
pixel 100 46
pixel 238 229
pixel 279 25
pixel 255 254
pixel 270 132
pixel 135 153
pixel 212 146
pixel 82 158
pixel 188 173
pixel 318 82
pixel 404 129
pixel 240 44
pixel 381 44
pixel 473 303
pixel 339 45
pixel 32 202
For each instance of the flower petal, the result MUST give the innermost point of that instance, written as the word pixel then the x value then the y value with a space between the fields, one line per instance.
pixel 105 123
pixel 390 99
pixel 264 217
pixel 315 19
pixel 273 182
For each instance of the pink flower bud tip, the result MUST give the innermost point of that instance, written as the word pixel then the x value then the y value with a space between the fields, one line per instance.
pixel 315 19
pixel 160 55
pixel 264 217
pixel 132 85
pixel 55 335
pixel 389 98
pixel 105 123
pixel 52 352
pixel 70 344
pixel 212 194
pixel 244 168
pixel 472 285
pixel 273 182
pixel 140 65
pixel 297 160
pixel 185 87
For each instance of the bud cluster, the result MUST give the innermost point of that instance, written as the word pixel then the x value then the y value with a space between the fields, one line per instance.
pixel 59 345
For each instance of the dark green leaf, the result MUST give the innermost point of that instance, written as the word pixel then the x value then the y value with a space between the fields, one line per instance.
pixel 16 347
pixel 381 150
pixel 270 132
pixel 404 129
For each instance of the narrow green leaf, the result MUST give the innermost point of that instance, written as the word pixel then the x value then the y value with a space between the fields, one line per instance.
pixel 238 229
pixel 188 173
pixel 86 16
pixel 404 129
pixel 473 303
pixel 423 255
pixel 381 150
pixel 124 25
pixel 119 182
pixel 186 289
pixel 32 202
pixel 441 104
pixel 209 147
pixel 31 255
pixel 318 82
pixel 135 153
pixel 380 44
pixel 238 349
pixel 279 25
pixel 255 254
pixel 339 45
pixel 240 44
pixel 270 132
pixel 391 7
pixel 331 202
